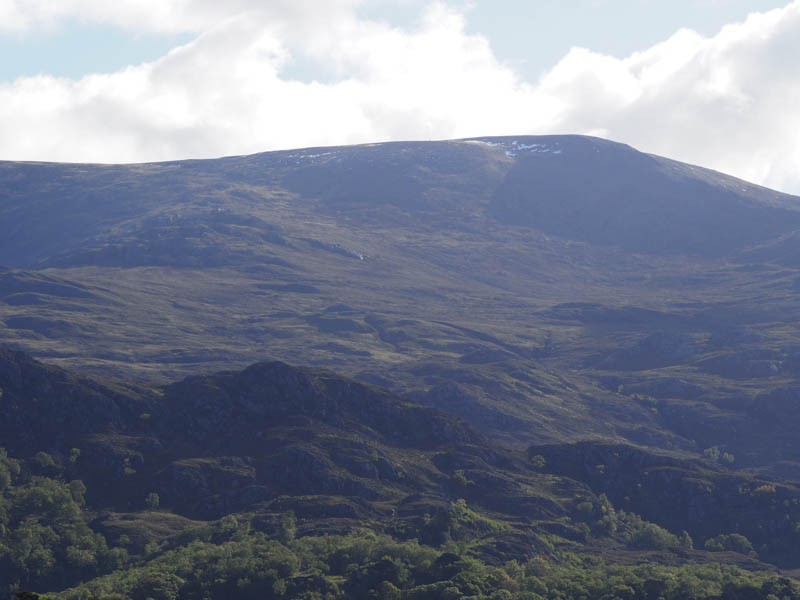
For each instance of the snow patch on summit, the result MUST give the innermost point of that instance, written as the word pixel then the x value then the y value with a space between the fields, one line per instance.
pixel 310 156
pixel 515 148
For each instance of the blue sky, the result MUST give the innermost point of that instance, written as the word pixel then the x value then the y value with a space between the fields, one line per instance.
pixel 711 82
pixel 534 34
pixel 74 49
pixel 529 35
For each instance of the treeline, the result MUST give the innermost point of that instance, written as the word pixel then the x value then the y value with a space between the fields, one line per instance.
pixel 46 544
pixel 45 541
pixel 249 565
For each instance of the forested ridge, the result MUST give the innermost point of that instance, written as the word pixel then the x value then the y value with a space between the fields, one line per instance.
pixel 443 542
pixel 47 543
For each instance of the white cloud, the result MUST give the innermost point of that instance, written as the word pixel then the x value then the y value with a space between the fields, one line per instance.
pixel 224 93
pixel 729 102
pixel 170 16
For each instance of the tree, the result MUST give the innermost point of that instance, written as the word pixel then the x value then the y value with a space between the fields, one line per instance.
pixel 732 542
pixel 152 500
pixel 288 528
pixel 686 540
pixel 77 490
pixel 538 461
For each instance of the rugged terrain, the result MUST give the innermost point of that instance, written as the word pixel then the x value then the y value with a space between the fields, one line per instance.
pixel 535 286
pixel 303 452
pixel 628 321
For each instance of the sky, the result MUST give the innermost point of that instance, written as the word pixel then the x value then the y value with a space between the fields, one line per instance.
pixel 710 82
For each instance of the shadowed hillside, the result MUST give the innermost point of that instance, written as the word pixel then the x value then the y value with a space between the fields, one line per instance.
pixel 546 345
pixel 536 286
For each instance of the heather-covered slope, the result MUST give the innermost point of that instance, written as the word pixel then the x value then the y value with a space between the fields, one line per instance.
pixel 545 289
pixel 305 439
pixel 563 293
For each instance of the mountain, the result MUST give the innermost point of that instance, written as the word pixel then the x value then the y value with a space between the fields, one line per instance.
pixel 338 454
pixel 535 285
pixel 210 445
pixel 268 441
pixel 156 472
pixel 488 305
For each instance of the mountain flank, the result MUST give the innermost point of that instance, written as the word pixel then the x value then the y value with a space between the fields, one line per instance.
pixel 545 289
pixel 529 361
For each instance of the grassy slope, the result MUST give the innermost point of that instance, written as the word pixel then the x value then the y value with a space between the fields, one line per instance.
pixel 447 272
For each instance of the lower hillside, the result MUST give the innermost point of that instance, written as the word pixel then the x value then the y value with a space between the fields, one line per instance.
pixel 284 482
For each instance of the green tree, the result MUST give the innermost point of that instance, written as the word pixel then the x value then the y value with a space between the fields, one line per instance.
pixel 288 528
pixel 152 500
pixel 538 461
pixel 77 490
pixel 652 537
pixel 731 542
pixel 686 540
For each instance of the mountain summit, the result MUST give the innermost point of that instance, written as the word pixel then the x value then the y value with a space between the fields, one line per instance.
pixel 537 286
pixel 514 349
pixel 574 187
